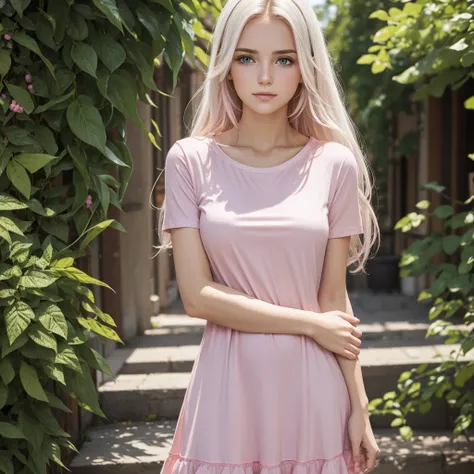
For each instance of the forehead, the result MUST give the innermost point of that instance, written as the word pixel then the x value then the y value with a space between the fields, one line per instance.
pixel 267 34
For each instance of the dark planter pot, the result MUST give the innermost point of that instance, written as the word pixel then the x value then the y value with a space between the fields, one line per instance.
pixel 383 274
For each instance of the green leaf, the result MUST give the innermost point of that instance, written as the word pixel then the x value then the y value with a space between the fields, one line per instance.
pixel 110 52
pixel 5 62
pixel 98 328
pixel 174 53
pixel 451 243
pixel 468 59
pixel 17 318
pixel 408 76
pixel 367 59
pixel 83 387
pixel 66 356
pixel 53 319
pixel 33 430
pixel 10 226
pixel 469 103
pixel 3 395
pixel 7 372
pixel 56 402
pixel 380 15
pixel 51 103
pixel 22 96
pixel 77 27
pixel 61 81
pixel 44 136
pixel 93 232
pixel 9 203
pixel 20 6
pixel 30 381
pixel 137 52
pixel 111 156
pixel 8 347
pixel 406 432
pixel 461 45
pixel 80 160
pixel 378 67
pixel 412 9
pixel 443 211
pixel 10 431
pixel 85 57
pixel 149 19
pixel 86 123
pixel 432 185
pixel 110 10
pixel 122 92
pixel 96 360
pixel 19 178
pixel 74 273
pixel 6 464
pixel 165 3
pixel 42 338
pixel 423 204
pixel 397 422
pixel 32 45
pixel 36 279
pixel 34 161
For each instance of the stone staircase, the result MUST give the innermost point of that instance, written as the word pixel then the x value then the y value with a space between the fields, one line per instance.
pixel 142 403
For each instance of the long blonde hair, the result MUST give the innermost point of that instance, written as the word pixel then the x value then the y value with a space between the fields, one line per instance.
pixel 317 110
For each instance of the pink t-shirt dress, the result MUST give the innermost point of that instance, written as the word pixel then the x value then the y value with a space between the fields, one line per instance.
pixel 263 403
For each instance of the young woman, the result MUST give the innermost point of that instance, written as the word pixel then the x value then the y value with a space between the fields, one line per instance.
pixel 265 203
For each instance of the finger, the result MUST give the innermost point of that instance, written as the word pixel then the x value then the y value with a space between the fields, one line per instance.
pixel 371 459
pixel 351 319
pixel 356 455
pixel 348 355
pixel 356 332
pixel 355 350
pixel 355 341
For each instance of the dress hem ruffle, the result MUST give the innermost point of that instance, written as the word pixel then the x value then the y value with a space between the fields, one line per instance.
pixel 340 464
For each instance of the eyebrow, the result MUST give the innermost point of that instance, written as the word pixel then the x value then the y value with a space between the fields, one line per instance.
pixel 254 51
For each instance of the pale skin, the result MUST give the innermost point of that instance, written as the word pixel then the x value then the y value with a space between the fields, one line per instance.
pixel 265 138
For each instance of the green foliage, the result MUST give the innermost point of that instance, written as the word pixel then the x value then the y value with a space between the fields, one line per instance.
pixel 70 74
pixel 371 99
pixel 436 38
pixel 415 49
pixel 434 42
pixel 448 256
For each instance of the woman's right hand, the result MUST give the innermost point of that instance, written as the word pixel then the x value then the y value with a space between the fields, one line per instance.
pixel 337 332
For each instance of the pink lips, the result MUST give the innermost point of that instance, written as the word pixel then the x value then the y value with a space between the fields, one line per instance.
pixel 265 96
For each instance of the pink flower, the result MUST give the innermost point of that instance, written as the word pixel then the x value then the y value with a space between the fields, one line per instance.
pixel 89 201
pixel 4 96
pixel 28 78
pixel 7 37
pixel 17 108
pixel 30 86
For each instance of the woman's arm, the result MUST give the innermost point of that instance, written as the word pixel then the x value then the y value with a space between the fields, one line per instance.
pixel 217 303
pixel 333 296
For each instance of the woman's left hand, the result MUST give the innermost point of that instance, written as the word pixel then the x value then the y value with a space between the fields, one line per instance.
pixel 365 450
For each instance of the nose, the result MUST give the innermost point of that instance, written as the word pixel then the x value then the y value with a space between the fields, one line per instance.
pixel 265 74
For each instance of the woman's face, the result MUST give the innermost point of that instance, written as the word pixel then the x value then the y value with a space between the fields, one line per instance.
pixel 265 60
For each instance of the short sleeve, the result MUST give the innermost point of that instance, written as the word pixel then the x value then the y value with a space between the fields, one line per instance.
pixel 181 208
pixel 344 209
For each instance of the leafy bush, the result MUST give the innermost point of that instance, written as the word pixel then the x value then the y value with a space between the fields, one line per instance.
pixel 70 73
pixel 435 43
pixel 448 256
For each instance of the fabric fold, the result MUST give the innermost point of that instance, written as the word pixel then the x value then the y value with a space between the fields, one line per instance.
pixel 340 464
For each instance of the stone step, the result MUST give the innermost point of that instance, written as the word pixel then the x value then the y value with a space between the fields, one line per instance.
pixel 141 448
pixel 133 396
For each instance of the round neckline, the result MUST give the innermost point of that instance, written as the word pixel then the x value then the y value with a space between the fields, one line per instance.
pixel 264 169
